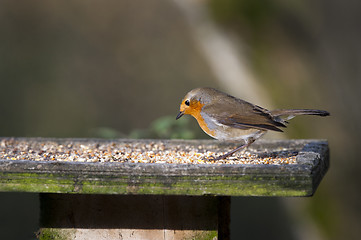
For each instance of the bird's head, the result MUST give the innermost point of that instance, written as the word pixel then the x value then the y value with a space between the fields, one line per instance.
pixel 194 101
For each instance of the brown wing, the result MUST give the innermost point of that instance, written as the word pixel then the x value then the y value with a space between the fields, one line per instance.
pixel 238 113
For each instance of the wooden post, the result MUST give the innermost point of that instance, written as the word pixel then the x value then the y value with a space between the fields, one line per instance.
pixel 82 216
pixel 126 200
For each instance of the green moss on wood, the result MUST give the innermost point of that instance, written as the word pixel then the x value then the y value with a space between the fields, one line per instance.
pixel 55 234
pixel 70 234
pixel 179 185
pixel 206 235
pixel 299 179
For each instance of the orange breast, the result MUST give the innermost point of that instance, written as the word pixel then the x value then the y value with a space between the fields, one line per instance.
pixel 195 111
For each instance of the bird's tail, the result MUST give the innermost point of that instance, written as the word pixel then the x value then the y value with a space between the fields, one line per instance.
pixel 291 113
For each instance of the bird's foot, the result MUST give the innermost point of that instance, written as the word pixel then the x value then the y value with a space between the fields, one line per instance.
pixel 224 156
pixel 214 159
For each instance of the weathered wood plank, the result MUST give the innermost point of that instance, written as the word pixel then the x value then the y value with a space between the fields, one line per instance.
pixel 96 216
pixel 298 179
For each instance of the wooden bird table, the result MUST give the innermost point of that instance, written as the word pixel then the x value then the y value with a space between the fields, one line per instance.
pixel 152 189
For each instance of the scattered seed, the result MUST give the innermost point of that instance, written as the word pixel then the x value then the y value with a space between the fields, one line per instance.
pixel 137 152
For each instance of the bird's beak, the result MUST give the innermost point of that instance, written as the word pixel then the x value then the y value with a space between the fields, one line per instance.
pixel 179 115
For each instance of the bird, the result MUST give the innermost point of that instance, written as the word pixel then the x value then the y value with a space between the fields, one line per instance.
pixel 225 117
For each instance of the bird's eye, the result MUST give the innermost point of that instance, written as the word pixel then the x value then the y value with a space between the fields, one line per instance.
pixel 186 102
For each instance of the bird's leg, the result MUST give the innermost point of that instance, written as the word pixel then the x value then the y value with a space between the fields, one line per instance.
pixel 248 142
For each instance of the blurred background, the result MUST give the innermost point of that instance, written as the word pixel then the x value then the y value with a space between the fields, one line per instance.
pixel 119 69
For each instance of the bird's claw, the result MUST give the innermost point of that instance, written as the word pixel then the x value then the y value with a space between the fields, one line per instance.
pixel 213 158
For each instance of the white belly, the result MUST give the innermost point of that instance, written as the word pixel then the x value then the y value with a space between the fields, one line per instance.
pixel 224 132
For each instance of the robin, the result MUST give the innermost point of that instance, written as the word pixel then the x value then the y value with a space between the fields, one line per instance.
pixel 225 117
